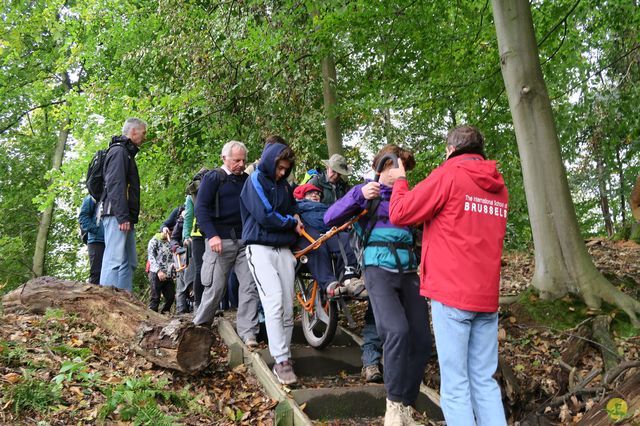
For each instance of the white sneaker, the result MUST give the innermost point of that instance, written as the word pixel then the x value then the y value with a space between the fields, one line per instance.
pixel 393 416
pixel 251 342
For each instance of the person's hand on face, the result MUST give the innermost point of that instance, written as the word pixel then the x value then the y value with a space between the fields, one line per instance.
pixel 396 173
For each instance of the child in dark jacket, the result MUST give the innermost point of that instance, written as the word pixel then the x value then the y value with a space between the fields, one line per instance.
pixel 390 271
pixel 342 280
pixel 270 223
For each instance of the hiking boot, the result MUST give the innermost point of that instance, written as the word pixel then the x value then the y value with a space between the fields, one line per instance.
pixel 251 342
pixel 372 374
pixel 407 416
pixel 354 286
pixel 334 289
pixel 393 416
pixel 284 373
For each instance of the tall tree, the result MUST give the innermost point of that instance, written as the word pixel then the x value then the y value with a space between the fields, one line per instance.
pixel 47 214
pixel 562 263
pixel 331 122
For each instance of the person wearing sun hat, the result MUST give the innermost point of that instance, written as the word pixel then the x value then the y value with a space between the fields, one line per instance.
pixel 331 183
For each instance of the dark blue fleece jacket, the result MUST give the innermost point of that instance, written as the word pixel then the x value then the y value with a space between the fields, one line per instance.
pixel 312 214
pixel 228 209
pixel 267 206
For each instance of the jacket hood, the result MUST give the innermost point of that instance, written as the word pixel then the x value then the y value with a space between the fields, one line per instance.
pixel 131 147
pixel 267 163
pixel 483 173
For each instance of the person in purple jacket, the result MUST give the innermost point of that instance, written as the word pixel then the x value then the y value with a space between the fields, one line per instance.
pixel 391 279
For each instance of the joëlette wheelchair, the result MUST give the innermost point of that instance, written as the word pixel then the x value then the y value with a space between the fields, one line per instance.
pixel 319 313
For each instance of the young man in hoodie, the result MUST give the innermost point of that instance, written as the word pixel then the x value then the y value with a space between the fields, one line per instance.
pixel 463 204
pixel 270 225
pixel 390 271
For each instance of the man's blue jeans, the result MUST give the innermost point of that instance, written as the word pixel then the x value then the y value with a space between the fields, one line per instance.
pixel 467 346
pixel 119 258
pixel 372 345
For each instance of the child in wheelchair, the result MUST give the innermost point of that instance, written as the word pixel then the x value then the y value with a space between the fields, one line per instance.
pixel 333 264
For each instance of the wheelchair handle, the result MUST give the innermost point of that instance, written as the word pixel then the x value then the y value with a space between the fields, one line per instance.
pixel 390 156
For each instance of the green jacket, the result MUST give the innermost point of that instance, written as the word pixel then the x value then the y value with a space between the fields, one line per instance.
pixel 330 192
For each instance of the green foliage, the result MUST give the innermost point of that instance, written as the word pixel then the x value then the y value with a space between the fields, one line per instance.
pixel 76 371
pixel 65 350
pixel 136 400
pixel 11 354
pixel 568 312
pixel 32 395
pixel 202 73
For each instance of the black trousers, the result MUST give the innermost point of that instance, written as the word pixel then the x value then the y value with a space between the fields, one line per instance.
pixel 402 321
pixel 165 288
pixel 96 251
pixel 197 246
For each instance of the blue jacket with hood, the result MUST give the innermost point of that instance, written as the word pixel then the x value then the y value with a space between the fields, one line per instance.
pixel 267 206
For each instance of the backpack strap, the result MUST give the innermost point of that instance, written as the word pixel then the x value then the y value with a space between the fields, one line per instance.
pixel 222 178
pixel 103 196
pixel 372 218
pixel 393 248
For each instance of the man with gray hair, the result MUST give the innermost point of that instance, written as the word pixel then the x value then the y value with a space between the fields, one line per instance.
pixel 218 214
pixel 331 183
pixel 120 205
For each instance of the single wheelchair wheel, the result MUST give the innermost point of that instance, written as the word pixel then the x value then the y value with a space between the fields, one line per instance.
pixel 319 315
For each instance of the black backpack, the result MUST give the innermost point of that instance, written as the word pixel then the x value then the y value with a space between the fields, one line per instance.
pixel 95 172
pixel 194 185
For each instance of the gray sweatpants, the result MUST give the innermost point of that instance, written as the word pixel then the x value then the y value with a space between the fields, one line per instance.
pixel 273 269
pixel 215 274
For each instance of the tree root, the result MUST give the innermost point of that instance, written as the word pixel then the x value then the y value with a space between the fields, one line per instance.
pixel 601 289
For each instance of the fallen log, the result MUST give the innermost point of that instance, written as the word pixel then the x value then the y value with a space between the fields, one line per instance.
pixel 607 412
pixel 173 343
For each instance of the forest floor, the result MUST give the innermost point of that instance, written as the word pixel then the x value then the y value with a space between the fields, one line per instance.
pixel 56 369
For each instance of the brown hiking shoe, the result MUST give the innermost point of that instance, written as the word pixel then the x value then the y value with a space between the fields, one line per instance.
pixel 284 373
pixel 354 286
pixel 371 373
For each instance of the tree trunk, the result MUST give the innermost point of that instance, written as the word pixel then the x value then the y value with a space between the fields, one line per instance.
pixel 562 263
pixel 623 191
pixel 170 343
pixel 388 127
pixel 603 193
pixel 45 219
pixel 332 123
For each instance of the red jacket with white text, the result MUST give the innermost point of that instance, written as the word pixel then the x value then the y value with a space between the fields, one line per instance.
pixel 463 204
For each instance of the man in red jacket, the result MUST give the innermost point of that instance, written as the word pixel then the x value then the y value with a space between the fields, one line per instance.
pixel 463 204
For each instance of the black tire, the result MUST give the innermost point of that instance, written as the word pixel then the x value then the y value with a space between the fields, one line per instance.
pixel 320 326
